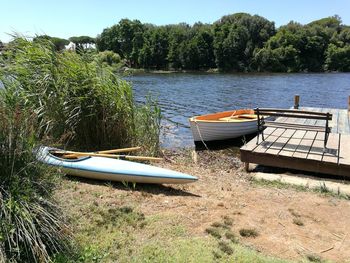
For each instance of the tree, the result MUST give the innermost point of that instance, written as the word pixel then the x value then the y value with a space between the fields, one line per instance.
pixel 306 46
pixel 281 59
pixel 108 40
pixel 338 58
pixel 178 35
pixel 236 37
pixel 238 42
pixel 59 43
pixel 124 38
pixel 82 42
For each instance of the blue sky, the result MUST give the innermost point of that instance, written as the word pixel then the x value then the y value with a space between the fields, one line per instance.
pixel 66 18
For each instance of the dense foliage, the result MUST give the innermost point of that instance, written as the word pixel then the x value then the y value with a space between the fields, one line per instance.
pixel 238 42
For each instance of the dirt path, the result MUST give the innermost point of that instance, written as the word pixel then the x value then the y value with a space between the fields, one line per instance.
pixel 291 223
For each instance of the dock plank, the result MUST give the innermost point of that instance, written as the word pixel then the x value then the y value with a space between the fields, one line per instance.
pixel 269 140
pixel 344 151
pixel 334 121
pixel 290 147
pixel 263 146
pixel 317 148
pixel 305 145
pixel 276 147
pixel 251 145
pixel 332 153
pixel 343 122
pixel 311 121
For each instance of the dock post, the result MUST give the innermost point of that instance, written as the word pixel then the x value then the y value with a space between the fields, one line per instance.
pixel 246 167
pixel 296 101
pixel 349 105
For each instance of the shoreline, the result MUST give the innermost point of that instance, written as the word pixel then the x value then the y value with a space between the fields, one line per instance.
pixel 136 71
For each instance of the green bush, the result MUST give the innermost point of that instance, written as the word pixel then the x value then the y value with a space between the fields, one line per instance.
pixel 109 57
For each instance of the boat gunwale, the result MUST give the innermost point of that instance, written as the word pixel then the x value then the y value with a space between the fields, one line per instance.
pixel 63 159
pixel 193 119
pixel 229 113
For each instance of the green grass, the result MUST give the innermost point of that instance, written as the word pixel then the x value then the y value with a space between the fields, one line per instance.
pixel 322 189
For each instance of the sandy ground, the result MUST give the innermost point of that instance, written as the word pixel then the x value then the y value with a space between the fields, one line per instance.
pixel 225 190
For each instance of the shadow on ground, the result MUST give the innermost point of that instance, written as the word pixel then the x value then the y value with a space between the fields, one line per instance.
pixel 156 189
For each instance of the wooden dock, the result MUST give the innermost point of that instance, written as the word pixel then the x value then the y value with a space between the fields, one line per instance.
pixel 303 150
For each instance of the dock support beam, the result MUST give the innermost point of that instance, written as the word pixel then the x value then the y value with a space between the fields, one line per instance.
pixel 246 167
pixel 296 101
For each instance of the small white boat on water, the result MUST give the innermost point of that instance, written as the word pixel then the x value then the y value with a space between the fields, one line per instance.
pixel 103 168
pixel 223 125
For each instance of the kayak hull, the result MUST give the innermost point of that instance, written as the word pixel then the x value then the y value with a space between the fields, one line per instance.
pixel 102 168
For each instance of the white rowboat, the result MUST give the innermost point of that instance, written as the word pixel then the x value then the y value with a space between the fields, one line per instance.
pixel 223 125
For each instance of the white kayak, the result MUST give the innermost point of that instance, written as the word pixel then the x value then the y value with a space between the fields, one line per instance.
pixel 103 168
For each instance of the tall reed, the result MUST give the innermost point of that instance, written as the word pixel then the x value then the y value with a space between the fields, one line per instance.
pixel 31 225
pixel 83 105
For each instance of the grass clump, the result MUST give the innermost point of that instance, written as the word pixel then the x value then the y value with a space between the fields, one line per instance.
pixel 220 225
pixel 298 221
pixel 248 232
pixel 228 221
pixel 225 247
pixel 231 236
pixel 314 258
pixel 32 228
pixel 215 232
pixel 121 215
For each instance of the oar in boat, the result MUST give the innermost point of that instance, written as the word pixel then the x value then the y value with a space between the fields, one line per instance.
pixel 131 149
pixel 128 157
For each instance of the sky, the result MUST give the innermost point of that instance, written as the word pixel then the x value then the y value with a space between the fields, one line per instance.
pixel 66 18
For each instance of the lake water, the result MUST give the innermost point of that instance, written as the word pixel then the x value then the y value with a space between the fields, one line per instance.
pixel 181 96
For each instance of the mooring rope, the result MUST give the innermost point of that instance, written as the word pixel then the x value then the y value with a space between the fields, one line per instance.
pixel 200 135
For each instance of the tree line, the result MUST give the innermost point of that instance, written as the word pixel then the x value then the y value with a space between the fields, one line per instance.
pixel 238 42
pixel 235 43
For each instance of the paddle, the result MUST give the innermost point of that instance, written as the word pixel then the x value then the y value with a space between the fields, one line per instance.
pixel 131 149
pixel 128 157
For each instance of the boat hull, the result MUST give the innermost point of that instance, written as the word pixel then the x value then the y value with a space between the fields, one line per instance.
pixel 207 131
pixel 223 125
pixel 109 169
